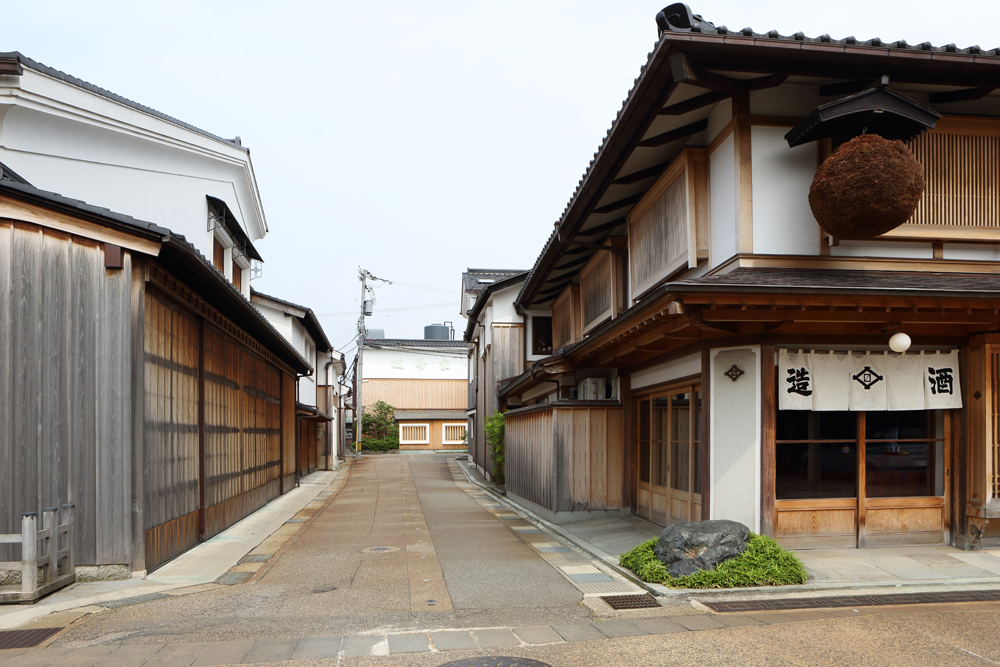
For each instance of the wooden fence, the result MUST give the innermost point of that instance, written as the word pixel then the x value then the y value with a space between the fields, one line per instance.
pixel 40 549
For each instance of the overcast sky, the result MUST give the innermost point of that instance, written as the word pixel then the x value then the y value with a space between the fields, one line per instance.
pixel 414 139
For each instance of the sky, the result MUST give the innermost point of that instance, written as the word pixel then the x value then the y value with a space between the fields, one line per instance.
pixel 414 140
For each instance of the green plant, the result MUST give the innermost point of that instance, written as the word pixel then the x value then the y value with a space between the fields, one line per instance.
pixel 379 421
pixel 494 428
pixel 764 563
pixel 381 445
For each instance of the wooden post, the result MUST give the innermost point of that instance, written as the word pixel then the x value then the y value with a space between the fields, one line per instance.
pixel 50 526
pixel 768 417
pixel 68 522
pixel 29 552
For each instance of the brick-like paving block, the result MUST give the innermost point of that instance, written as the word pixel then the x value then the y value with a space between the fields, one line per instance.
pixel 80 657
pixel 659 626
pixel 128 655
pixel 495 638
pixel 773 617
pixel 620 629
pixel 417 642
pixel 271 650
pixel 736 620
pixel 225 652
pixel 698 622
pixel 810 615
pixel 360 647
pixel 453 640
pixel 579 633
pixel 181 654
pixel 541 634
pixel 11 653
pixel 313 648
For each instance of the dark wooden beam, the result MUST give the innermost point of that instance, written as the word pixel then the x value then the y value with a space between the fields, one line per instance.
pixel 685 71
pixel 603 227
pixel 570 265
pixel 694 103
pixel 621 203
pixel 674 135
pixel 637 176
pixel 963 95
pixel 558 288
pixel 851 87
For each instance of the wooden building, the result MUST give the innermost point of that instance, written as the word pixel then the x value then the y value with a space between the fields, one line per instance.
pixel 688 263
pixel 424 380
pixel 140 384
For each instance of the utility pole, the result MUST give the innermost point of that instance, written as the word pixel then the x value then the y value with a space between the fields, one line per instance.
pixel 366 309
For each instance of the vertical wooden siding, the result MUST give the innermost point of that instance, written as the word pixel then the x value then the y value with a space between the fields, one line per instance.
pixel 566 459
pixel 507 353
pixel 416 394
pixel 962 173
pixel 65 418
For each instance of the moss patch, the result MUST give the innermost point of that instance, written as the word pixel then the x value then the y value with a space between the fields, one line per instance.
pixel 764 563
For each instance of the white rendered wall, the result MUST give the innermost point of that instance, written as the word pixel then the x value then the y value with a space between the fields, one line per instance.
pixel 734 450
pixel 430 364
pixel 672 370
pixel 783 223
pixel 970 252
pixel 722 192
pixel 900 249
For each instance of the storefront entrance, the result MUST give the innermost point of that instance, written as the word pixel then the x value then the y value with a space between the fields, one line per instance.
pixel 865 479
pixel 669 465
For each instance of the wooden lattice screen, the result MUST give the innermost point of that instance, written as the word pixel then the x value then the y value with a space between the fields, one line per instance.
pixel 962 172
pixel 413 433
pixel 454 433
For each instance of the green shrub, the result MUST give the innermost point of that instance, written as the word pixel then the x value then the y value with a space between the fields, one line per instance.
pixel 764 563
pixel 494 428
pixel 380 445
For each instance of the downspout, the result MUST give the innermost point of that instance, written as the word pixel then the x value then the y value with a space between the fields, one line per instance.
pixel 329 410
pixel 531 374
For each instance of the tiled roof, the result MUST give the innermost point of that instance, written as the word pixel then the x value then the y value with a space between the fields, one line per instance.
pixel 6 174
pixel 80 83
pixel 958 283
pixel 475 280
pixel 416 342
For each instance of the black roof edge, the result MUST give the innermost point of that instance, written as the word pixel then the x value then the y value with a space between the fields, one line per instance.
pixel 484 296
pixel 8 174
pixel 234 228
pixel 309 321
pixel 80 83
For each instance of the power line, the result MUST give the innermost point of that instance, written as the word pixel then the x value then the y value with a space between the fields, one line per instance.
pixel 428 289
pixel 393 310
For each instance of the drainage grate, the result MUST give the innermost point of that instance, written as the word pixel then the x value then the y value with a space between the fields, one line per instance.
pixel 853 601
pixel 501 661
pixel 124 602
pixel 25 638
pixel 645 601
pixel 255 558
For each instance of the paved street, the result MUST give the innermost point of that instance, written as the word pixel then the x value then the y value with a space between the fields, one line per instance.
pixel 410 564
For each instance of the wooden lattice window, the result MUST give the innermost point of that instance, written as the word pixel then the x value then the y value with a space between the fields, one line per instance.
pixel 961 200
pixel 566 318
pixel 599 286
pixel 668 228
pixel 414 434
pixel 219 256
pixel 453 434
pixel 237 276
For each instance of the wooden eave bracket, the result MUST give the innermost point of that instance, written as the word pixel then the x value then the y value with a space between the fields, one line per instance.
pixel 596 246
pixel 684 71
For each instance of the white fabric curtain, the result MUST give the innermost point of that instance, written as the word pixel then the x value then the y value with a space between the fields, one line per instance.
pixel 826 381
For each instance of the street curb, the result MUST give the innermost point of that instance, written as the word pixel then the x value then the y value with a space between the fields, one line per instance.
pixel 815 590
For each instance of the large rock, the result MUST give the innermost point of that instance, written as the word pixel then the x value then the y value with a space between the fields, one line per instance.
pixel 686 548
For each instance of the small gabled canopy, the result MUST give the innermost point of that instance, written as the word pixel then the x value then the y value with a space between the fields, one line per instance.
pixel 875 111
pixel 233 227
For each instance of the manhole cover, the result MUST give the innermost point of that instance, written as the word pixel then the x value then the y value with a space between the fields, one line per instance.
pixel 645 601
pixel 496 662
pixel 379 550
pixel 25 638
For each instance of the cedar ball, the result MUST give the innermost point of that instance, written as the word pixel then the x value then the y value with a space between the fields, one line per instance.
pixel 869 186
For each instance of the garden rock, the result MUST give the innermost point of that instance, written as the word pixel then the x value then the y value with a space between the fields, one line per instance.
pixel 687 548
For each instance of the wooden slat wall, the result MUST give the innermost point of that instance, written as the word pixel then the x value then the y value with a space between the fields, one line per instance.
pixel 287 439
pixel 528 448
pixel 417 394
pixel 507 353
pixel 596 289
pixel 65 420
pixel 962 173
pixel 567 459
pixel 658 238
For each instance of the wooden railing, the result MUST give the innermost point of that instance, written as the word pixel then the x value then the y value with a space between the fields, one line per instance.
pixel 40 549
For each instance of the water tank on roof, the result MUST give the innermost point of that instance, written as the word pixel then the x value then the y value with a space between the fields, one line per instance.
pixel 437 332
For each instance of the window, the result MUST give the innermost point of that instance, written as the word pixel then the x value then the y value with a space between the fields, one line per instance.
pixel 541 336
pixel 219 256
pixel 414 434
pixel 238 276
pixel 601 288
pixel 566 318
pixel 668 228
pixel 453 434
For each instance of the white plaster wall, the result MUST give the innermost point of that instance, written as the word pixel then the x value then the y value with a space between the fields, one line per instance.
pixel 722 170
pixel 734 452
pixel 783 223
pixel 970 252
pixel 502 304
pixel 278 319
pixel 786 100
pixel 883 249
pixel 717 120
pixel 437 364
pixel 672 370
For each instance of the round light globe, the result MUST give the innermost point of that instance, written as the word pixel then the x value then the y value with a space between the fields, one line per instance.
pixel 899 342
